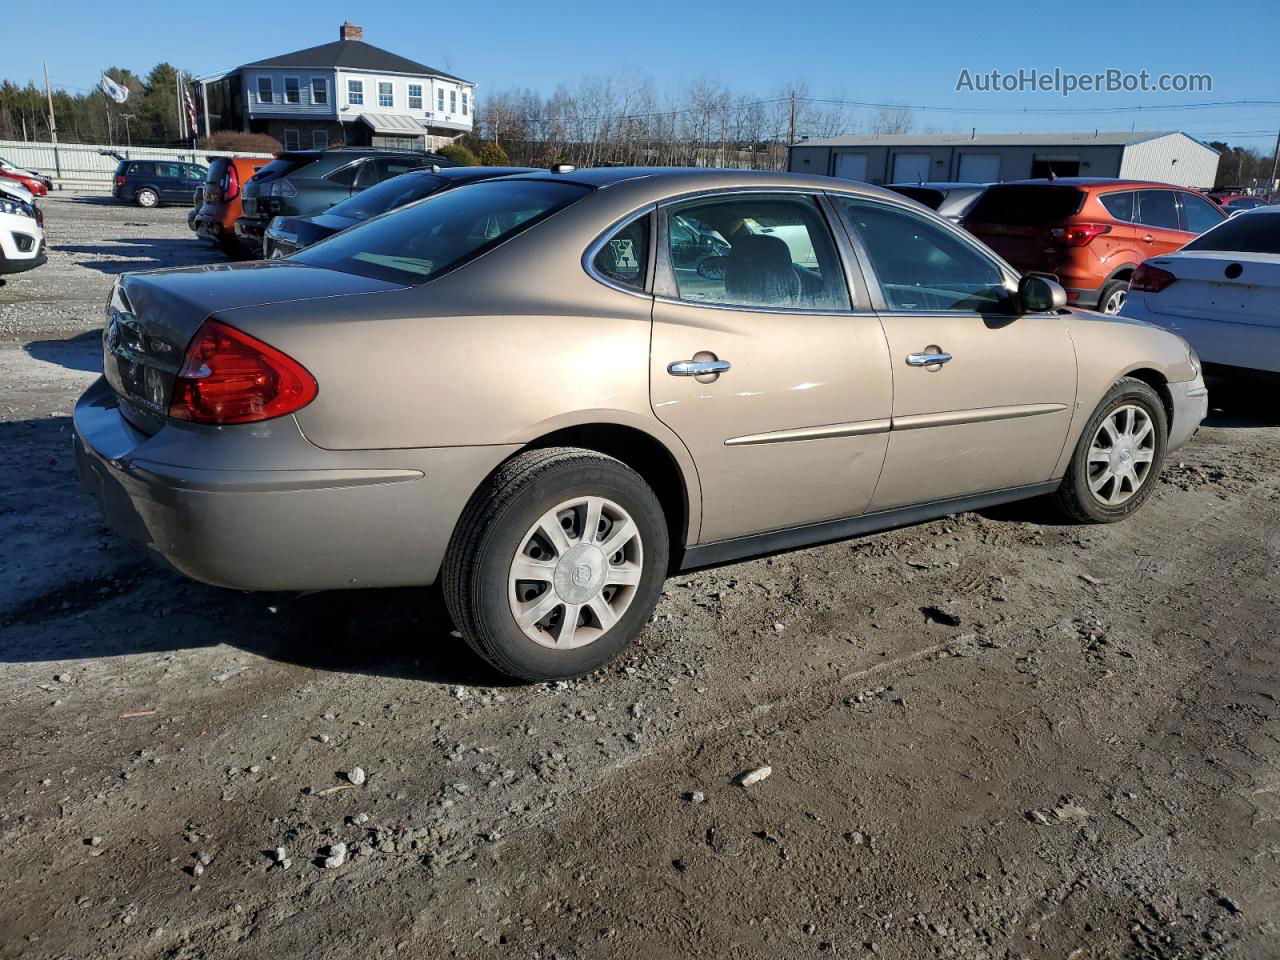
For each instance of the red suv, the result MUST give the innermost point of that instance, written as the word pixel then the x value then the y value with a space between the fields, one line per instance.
pixel 1089 233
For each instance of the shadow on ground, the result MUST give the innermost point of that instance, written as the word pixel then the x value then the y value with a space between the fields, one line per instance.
pixel 131 254
pixel 116 600
pixel 82 352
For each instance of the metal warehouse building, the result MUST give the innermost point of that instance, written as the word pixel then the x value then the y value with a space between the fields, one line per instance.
pixel 1168 156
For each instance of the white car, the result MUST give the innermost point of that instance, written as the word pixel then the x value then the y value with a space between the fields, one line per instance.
pixel 21 233
pixel 1220 292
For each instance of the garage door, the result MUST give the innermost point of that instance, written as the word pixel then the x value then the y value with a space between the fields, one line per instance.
pixel 851 166
pixel 979 168
pixel 910 168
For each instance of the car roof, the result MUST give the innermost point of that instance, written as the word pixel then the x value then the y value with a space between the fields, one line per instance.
pixel 941 185
pixel 1090 182
pixel 658 183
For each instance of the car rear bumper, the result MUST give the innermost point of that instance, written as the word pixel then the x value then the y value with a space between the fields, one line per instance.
pixel 261 508
pixel 251 229
pixel 1083 296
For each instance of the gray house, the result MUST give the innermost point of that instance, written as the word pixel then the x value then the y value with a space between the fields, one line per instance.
pixel 1166 156
pixel 346 92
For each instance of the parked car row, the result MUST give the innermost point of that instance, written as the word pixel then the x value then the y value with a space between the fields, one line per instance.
pixel 681 368
pixel 37 184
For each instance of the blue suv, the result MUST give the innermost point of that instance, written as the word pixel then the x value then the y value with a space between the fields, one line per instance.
pixel 149 183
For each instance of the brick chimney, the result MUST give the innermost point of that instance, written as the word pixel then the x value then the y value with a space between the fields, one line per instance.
pixel 349 31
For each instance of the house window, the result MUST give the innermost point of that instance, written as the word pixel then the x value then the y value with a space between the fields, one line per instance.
pixel 291 140
pixel 265 93
pixel 464 103
pixel 440 100
pixel 292 90
pixel 385 97
pixel 453 101
pixel 415 96
pixel 319 140
pixel 319 90
pixel 355 93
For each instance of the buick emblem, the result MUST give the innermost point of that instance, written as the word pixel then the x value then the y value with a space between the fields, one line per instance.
pixel 581 575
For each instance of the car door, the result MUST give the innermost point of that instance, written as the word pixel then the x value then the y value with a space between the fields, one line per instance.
pixel 1161 229
pixel 775 380
pixel 169 182
pixel 982 398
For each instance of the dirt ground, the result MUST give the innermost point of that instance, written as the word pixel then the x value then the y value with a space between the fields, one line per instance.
pixel 992 736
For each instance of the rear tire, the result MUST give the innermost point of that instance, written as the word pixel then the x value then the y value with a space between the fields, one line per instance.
pixel 1111 300
pixel 146 197
pixel 583 590
pixel 1118 458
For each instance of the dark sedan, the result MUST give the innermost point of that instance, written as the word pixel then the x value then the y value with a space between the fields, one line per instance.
pixel 287 235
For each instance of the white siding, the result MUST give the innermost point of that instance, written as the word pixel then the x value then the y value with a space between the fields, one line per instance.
pixel 431 88
pixel 1174 158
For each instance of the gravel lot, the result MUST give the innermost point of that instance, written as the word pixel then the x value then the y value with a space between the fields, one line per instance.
pixel 993 736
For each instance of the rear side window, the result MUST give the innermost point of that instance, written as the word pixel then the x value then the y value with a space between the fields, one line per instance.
pixel 1247 233
pixel 142 169
pixel 624 257
pixel 1198 214
pixel 1119 205
pixel 1156 208
pixel 1026 206
pixel 443 231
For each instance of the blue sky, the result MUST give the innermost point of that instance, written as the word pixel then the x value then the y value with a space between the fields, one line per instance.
pixel 905 52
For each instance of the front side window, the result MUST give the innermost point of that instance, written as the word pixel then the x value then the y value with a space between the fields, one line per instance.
pixel 415 96
pixel 169 170
pixel 624 257
pixel 755 250
pixel 319 90
pixel 292 90
pixel 291 139
pixel 1119 205
pixel 385 97
pixel 1157 208
pixel 265 93
pixel 355 93
pixel 921 265
pixel 443 231
pixel 1198 214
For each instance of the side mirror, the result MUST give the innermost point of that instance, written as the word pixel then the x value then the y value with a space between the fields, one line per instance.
pixel 713 268
pixel 1039 294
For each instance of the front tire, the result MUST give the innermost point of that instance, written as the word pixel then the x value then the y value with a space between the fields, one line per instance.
pixel 1119 456
pixel 146 197
pixel 556 564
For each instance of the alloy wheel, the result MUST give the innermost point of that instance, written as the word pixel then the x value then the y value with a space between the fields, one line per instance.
pixel 1115 302
pixel 1121 454
pixel 576 572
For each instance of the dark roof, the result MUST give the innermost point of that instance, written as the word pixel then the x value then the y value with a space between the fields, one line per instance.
pixel 351 55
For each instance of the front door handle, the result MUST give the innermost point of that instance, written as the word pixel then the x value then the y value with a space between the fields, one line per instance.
pixel 927 359
pixel 697 368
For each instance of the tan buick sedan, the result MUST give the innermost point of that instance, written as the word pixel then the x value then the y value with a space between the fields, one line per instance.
pixel 552 389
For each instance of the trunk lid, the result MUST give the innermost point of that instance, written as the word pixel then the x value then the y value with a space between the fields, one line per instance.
pixel 255 190
pixel 151 319
pixel 1233 287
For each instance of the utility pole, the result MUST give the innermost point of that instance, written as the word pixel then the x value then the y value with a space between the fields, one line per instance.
pixel 791 128
pixel 129 136
pixel 1275 164
pixel 53 124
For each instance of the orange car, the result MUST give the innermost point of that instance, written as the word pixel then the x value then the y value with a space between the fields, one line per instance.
pixel 216 220
pixel 1089 233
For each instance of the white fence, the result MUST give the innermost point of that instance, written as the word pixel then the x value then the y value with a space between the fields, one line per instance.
pixel 84 163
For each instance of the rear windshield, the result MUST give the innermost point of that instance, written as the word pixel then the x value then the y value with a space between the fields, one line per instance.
pixel 1026 206
pixel 1247 233
pixel 281 167
pixel 217 167
pixel 442 231
pixel 930 198
pixel 388 195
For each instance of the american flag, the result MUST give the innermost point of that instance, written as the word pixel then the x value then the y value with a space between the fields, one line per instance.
pixel 191 109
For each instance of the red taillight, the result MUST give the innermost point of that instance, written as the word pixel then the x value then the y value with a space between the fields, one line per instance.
pixel 120 180
pixel 1149 279
pixel 231 377
pixel 1079 234
pixel 231 184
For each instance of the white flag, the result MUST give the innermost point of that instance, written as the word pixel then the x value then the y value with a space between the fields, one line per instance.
pixel 114 90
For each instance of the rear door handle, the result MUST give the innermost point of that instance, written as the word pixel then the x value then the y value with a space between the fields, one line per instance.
pixel 697 368
pixel 927 359
pixel 1149 239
